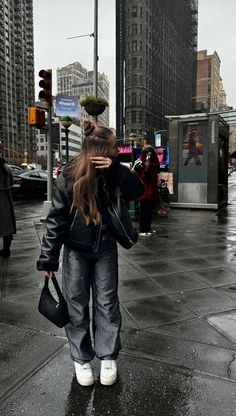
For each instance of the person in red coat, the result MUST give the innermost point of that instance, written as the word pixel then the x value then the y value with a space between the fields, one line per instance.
pixel 147 167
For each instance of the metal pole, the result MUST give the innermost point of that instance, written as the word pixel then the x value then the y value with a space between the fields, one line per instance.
pixel 95 57
pixel 132 154
pixel 67 144
pixel 49 155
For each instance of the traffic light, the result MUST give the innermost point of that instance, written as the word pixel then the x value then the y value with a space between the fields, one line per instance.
pixel 36 117
pixel 46 84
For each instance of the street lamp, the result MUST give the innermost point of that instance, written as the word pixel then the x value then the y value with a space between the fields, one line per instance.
pixel 95 48
pixel 66 122
pixel 132 138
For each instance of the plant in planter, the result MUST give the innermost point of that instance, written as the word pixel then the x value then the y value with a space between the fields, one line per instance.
pixel 94 106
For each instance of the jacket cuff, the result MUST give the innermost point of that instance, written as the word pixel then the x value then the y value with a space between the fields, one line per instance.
pixel 47 266
pixel 114 166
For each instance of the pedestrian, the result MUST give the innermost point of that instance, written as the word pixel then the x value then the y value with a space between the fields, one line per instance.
pixel 90 250
pixel 147 167
pixel 7 215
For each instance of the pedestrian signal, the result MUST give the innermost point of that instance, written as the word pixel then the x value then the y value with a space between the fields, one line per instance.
pixel 36 117
pixel 46 84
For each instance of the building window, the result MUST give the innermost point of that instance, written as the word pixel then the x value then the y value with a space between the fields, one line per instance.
pixel 134 28
pixel 133 117
pixel 134 45
pixel 134 98
pixel 134 62
pixel 134 79
pixel 134 11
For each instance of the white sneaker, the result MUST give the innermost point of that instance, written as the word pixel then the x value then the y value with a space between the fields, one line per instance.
pixel 108 374
pixel 152 232
pixel 143 234
pixel 84 374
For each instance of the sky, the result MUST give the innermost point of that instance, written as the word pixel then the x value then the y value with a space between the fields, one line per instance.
pixel 56 20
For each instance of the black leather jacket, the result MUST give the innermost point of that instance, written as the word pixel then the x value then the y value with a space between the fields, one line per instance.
pixel 66 227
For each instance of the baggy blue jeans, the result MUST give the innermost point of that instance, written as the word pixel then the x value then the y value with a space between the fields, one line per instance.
pixel 81 271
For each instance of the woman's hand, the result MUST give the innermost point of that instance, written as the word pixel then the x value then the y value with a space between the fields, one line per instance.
pixel 49 274
pixel 101 162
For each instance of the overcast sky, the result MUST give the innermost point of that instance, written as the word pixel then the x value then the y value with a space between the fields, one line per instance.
pixel 55 20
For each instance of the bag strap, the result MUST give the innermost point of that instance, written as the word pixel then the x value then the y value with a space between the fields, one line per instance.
pixel 56 286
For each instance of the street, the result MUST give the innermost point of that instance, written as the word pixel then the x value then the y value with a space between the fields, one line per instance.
pixel 178 300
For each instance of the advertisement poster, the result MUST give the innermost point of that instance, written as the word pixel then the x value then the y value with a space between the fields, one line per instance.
pixel 166 177
pixel 193 144
pixel 67 105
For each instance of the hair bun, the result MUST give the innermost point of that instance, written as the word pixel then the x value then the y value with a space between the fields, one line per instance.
pixel 89 126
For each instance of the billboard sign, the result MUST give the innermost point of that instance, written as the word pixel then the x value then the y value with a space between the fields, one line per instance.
pixel 125 149
pixel 67 105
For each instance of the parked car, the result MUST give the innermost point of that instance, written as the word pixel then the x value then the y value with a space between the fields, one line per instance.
pixel 15 168
pixel 30 182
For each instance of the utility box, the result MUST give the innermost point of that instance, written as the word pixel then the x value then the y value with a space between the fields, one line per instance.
pixel 198 146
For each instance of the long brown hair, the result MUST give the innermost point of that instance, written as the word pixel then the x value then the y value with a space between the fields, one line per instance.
pixel 98 141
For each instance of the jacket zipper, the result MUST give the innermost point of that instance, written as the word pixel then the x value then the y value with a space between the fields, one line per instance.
pixel 72 224
pixel 98 239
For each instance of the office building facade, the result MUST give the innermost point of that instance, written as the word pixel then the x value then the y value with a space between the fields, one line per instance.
pixel 156 45
pixel 16 79
pixel 210 95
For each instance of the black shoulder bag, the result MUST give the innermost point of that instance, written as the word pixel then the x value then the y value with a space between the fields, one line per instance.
pixel 117 217
pixel 55 311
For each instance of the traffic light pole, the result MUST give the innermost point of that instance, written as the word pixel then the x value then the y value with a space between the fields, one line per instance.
pixel 49 156
pixel 47 204
pixel 95 53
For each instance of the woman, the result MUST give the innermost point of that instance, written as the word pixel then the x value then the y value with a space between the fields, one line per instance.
pixel 147 167
pixel 90 250
pixel 7 216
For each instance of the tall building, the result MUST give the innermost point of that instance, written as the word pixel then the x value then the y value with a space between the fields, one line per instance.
pixel 16 79
pixel 156 44
pixel 69 76
pixel 75 80
pixel 210 94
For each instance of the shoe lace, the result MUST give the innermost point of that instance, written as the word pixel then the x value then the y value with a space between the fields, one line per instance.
pixel 86 366
pixel 108 364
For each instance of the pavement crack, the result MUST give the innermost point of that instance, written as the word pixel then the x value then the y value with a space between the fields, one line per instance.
pixel 228 366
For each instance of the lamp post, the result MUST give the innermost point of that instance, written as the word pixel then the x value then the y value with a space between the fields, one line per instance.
pixel 95 48
pixel 132 138
pixel 66 122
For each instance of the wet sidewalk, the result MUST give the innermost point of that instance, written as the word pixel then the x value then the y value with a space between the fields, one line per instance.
pixel 178 300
